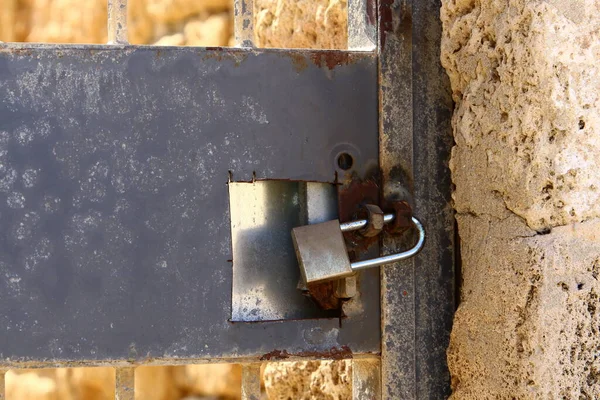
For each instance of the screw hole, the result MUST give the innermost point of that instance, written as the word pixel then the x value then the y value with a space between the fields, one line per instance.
pixel 345 161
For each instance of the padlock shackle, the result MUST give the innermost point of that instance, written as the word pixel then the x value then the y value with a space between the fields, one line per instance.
pixel 392 258
pixel 362 223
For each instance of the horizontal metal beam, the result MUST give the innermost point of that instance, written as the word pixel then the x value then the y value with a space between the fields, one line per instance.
pixel 115 162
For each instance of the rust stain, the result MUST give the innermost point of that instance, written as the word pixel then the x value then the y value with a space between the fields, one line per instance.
pixel 275 355
pixel 331 59
pixel 298 61
pixel 351 198
pixel 334 353
pixel 372 12
pixel 324 294
pixel 403 212
pixel 238 56
pixel 386 21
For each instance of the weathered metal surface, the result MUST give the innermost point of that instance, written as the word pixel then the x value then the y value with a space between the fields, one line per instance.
pixel 117 22
pixel 366 379
pixel 243 18
pixel 125 383
pixel 251 381
pixel 114 203
pixel 265 269
pixel 362 26
pixel 415 141
pixel 321 252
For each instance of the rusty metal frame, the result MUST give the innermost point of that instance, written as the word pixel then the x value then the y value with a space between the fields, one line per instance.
pixel 415 141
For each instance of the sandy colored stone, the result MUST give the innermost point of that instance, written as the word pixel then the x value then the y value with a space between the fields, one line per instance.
pixel 68 21
pixel 86 383
pixel 155 383
pixel 206 22
pixel 318 24
pixel 61 384
pixel 526 81
pixel 30 385
pixel 223 380
pixel 177 39
pixel 526 84
pixel 175 10
pixel 309 380
pixel 8 11
pixel 213 31
pixel 528 326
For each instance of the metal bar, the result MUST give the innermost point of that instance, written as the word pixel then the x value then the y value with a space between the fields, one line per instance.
pixel 415 142
pixel 361 223
pixel 251 381
pixel 137 179
pixel 398 374
pixel 2 385
pixel 362 25
pixel 125 383
pixel 117 22
pixel 392 258
pixel 243 11
pixel 366 379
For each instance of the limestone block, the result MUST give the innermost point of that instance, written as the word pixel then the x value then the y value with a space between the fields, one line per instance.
pixel 526 82
pixel 309 380
pixel 223 380
pixel 318 24
pixel 68 21
pixel 8 12
pixel 174 10
pixel 86 383
pixel 212 31
pixel 528 326
pixel 155 383
pixel 31 385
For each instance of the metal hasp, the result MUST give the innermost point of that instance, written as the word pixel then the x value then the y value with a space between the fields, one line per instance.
pixel 322 253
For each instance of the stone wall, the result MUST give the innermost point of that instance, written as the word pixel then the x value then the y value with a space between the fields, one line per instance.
pixel 167 22
pixel 526 82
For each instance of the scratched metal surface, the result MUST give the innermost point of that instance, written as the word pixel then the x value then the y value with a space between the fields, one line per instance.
pixel 114 163
pixel 416 140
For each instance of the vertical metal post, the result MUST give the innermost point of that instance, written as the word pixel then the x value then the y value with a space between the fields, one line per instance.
pixel 396 151
pixel 243 11
pixel 251 381
pixel 417 295
pixel 117 22
pixel 362 25
pixel 366 379
pixel 125 383
pixel 2 385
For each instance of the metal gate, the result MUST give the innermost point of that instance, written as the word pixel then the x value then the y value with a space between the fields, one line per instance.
pixel 147 195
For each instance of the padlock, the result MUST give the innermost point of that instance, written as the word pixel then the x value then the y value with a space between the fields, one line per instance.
pixel 322 253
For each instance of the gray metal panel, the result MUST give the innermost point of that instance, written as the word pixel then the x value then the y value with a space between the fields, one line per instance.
pixel 114 165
